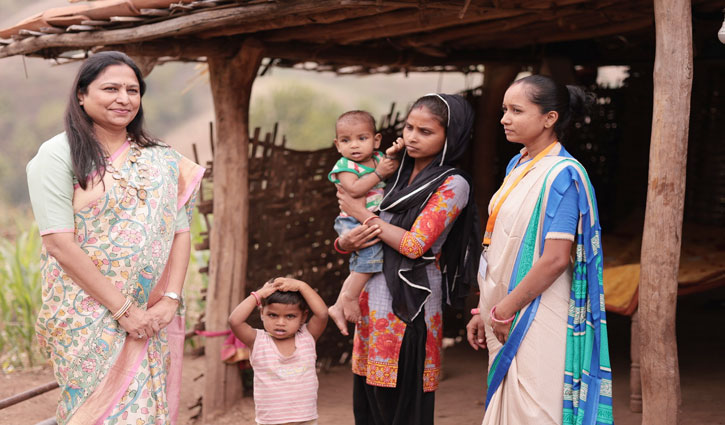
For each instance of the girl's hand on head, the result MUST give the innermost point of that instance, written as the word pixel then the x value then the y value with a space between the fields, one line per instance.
pixel 287 284
pixel 360 237
pixel 269 288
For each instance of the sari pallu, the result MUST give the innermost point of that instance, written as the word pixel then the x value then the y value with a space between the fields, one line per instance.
pixel 104 375
pixel 562 333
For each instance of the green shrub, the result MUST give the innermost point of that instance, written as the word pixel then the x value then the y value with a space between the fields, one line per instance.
pixel 20 287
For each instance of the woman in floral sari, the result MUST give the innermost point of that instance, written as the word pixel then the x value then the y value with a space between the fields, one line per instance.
pixel 113 206
pixel 430 232
pixel 542 317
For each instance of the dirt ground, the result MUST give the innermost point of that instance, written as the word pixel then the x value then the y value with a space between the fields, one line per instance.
pixel 701 336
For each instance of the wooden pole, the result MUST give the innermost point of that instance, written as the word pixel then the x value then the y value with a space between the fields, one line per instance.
pixel 17 398
pixel 496 79
pixel 662 235
pixel 231 85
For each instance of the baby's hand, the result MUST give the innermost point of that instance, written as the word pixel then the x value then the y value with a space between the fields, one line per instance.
pixel 393 151
pixel 391 162
pixel 288 284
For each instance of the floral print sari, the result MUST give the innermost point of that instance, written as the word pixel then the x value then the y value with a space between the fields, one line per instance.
pixel 105 376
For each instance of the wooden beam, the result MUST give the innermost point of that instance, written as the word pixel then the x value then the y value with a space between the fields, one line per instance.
pixel 552 32
pixel 462 33
pixel 662 236
pixel 181 48
pixel 477 29
pixel 183 25
pixel 392 24
pixel 231 81
pixel 366 56
pixel 297 20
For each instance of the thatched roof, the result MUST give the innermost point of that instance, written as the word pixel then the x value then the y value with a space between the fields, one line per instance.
pixel 367 35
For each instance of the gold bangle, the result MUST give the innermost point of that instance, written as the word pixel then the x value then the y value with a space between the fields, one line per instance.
pixel 123 310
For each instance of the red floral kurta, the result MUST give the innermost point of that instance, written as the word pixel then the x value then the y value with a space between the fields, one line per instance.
pixel 379 335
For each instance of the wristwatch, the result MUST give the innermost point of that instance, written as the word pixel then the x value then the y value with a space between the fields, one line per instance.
pixel 173 295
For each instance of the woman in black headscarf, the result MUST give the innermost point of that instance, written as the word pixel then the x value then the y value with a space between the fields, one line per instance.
pixel 429 225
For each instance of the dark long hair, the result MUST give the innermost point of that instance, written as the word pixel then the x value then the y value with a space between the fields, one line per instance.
pixel 86 152
pixel 570 102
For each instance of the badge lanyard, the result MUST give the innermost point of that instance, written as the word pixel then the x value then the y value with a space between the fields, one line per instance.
pixel 499 201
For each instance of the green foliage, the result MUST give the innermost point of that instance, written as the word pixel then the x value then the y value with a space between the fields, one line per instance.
pixel 305 115
pixel 20 288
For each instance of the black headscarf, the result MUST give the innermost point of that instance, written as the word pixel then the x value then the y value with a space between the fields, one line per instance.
pixel 406 278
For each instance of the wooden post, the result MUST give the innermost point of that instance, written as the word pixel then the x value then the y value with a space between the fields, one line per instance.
pixel 231 85
pixel 662 235
pixel 496 79
pixel 145 64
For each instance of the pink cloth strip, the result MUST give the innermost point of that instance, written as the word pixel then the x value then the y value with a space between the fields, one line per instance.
pixel 126 383
pixel 185 229
pixel 210 333
pixel 190 188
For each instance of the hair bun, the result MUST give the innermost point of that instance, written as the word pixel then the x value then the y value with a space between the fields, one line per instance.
pixel 579 102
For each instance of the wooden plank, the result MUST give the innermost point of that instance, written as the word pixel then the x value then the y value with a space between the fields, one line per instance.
pixel 231 84
pixel 662 236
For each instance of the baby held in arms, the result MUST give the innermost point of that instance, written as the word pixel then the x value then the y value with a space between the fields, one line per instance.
pixel 360 172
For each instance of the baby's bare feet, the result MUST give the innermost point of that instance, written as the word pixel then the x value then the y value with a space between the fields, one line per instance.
pixel 351 308
pixel 337 315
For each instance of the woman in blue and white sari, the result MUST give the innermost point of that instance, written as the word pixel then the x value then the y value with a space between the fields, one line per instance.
pixel 541 315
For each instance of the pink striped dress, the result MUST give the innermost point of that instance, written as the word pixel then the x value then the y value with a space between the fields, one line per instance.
pixel 285 388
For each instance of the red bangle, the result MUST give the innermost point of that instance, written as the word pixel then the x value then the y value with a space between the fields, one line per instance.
pixel 259 300
pixel 337 248
pixel 503 322
pixel 369 218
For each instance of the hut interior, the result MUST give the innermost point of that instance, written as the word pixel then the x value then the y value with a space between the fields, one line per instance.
pixel 567 39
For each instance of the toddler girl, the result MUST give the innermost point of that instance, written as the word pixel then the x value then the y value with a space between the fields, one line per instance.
pixel 283 354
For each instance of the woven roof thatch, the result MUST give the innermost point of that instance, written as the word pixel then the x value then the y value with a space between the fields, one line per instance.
pixel 354 35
